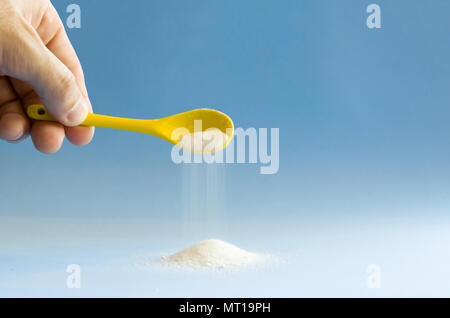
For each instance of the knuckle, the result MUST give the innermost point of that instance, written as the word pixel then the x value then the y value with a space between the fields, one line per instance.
pixel 67 91
pixel 66 81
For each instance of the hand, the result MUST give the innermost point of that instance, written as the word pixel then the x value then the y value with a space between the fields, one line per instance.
pixel 39 65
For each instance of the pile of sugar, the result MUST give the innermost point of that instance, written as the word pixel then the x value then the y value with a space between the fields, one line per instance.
pixel 208 141
pixel 214 254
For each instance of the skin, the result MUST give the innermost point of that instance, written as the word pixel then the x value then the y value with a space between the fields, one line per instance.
pixel 39 65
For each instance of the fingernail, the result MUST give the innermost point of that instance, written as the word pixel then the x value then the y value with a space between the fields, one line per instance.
pixel 78 113
pixel 17 139
pixel 17 118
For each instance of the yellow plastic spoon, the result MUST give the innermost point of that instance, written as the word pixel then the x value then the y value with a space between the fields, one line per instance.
pixel 165 128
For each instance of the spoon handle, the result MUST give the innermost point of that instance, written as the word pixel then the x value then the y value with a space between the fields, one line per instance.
pixel 39 112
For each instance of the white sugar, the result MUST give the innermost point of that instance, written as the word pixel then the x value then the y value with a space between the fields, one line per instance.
pixel 214 254
pixel 208 141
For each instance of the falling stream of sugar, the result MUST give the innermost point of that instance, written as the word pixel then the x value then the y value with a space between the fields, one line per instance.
pixel 203 200
pixel 204 205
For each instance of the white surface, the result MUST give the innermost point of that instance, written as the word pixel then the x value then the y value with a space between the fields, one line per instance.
pixel 319 258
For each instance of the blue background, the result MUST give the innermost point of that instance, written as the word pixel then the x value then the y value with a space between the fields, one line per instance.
pixel 364 152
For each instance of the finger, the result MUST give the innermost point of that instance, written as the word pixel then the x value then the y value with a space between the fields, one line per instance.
pixel 59 44
pixel 47 136
pixel 79 136
pixel 62 48
pixel 14 125
pixel 7 93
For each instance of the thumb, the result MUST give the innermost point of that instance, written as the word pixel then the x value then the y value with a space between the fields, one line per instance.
pixel 58 90
pixel 28 59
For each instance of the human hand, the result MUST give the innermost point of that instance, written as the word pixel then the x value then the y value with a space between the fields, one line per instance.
pixel 38 65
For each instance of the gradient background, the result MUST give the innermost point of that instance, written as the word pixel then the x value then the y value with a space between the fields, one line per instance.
pixel 364 153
